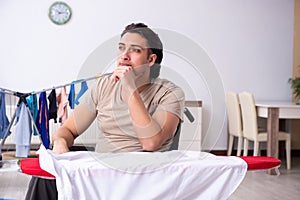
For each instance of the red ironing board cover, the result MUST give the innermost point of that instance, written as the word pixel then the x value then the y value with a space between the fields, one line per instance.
pixel 31 166
pixel 260 162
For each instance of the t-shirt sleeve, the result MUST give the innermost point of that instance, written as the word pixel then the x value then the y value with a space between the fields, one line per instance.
pixel 89 99
pixel 173 101
pixel 85 113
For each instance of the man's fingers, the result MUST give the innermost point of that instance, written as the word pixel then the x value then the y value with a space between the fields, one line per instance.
pixel 120 72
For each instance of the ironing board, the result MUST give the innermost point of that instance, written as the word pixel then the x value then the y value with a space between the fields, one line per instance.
pixel 143 175
pixel 31 166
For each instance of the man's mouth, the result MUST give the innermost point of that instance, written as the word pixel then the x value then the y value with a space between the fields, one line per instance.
pixel 124 64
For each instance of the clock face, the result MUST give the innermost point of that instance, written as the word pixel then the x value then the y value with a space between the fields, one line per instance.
pixel 60 13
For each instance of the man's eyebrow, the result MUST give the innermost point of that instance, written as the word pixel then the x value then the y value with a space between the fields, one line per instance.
pixel 133 45
pixel 136 45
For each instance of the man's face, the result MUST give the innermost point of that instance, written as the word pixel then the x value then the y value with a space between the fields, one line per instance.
pixel 133 51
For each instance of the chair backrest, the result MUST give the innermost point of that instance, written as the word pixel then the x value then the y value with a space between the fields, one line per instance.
pixel 249 115
pixel 176 137
pixel 234 114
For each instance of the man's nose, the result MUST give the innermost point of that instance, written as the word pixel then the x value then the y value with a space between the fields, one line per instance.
pixel 125 54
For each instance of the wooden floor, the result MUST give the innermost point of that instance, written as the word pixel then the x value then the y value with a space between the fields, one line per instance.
pixel 257 185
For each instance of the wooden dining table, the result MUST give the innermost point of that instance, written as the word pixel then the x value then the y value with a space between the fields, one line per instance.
pixel 273 111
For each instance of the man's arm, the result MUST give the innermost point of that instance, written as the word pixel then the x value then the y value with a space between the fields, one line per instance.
pixel 79 120
pixel 152 131
pixel 65 136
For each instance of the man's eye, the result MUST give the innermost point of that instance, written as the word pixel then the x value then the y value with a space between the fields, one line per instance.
pixel 136 50
pixel 121 48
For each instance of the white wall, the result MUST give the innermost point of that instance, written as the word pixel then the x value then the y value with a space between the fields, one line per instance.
pixel 212 46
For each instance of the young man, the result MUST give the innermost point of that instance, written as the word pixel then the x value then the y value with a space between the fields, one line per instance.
pixel 134 109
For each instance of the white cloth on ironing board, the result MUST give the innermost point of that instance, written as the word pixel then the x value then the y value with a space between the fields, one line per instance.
pixel 143 175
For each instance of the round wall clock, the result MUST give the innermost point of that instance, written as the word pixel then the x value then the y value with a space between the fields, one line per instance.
pixel 60 13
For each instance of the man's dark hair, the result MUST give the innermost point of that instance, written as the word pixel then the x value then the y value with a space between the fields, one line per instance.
pixel 154 44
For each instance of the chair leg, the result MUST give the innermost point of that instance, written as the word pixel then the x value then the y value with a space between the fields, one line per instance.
pixel 256 148
pixel 277 172
pixel 230 144
pixel 240 144
pixel 288 153
pixel 246 144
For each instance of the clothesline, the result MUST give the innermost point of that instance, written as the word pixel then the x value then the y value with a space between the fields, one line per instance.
pixel 38 114
pixel 77 81
pixel 20 94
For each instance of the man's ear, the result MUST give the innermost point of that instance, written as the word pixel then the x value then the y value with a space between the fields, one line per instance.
pixel 152 59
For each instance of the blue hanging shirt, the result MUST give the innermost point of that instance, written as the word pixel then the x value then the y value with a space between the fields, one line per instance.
pixel 23 131
pixel 4 123
pixel 83 89
pixel 33 107
pixel 42 120
pixel 71 97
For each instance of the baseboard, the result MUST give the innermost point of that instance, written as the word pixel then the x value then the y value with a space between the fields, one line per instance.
pixel 295 153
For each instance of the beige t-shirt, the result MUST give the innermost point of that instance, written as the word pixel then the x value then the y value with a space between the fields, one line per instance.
pixel 104 103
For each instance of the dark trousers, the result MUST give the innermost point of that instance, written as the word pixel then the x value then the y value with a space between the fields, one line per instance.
pixel 40 188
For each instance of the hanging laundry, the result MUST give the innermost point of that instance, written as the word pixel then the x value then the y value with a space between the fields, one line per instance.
pixel 33 107
pixel 71 97
pixel 42 120
pixel 62 101
pixel 4 123
pixel 23 131
pixel 83 89
pixel 52 106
